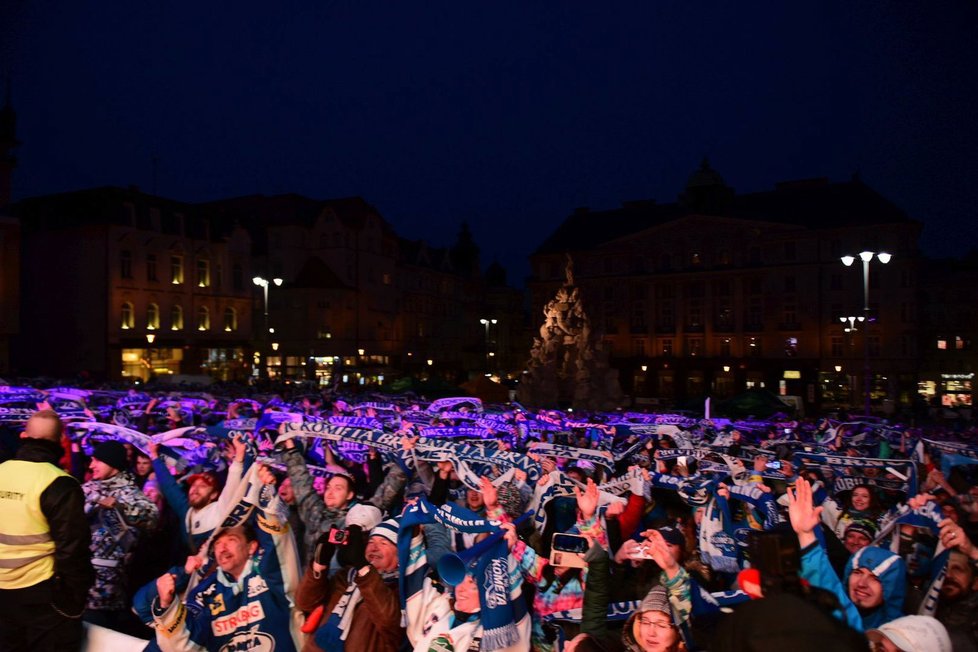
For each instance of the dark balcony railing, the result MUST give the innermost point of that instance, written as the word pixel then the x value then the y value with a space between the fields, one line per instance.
pixel 723 327
pixel 665 328
pixel 693 328
pixel 753 327
pixel 789 326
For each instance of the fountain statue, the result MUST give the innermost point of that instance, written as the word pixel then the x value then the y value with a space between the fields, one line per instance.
pixel 568 366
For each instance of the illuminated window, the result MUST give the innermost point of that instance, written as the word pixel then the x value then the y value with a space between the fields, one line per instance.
pixel 942 344
pixel 176 318
pixel 152 317
pixel 128 319
pixel 203 318
pixel 230 319
pixel 791 346
pixel 203 273
pixel 176 270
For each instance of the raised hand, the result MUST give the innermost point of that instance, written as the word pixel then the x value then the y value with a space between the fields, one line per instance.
pixel 659 549
pixel 510 535
pixel 587 501
pixel 490 495
pixel 953 536
pixel 804 516
pixel 166 587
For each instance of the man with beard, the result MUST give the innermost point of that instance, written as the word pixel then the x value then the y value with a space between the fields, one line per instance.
pixel 204 506
pixel 957 607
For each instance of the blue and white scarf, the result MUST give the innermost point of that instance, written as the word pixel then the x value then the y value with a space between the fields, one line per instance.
pixel 491 569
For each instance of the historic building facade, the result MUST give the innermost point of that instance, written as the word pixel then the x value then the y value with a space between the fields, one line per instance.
pixel 121 284
pixel 719 292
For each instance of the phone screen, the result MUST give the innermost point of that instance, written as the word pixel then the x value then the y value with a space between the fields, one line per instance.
pixel 569 543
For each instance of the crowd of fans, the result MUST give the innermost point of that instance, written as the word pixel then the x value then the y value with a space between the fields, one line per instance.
pixel 316 523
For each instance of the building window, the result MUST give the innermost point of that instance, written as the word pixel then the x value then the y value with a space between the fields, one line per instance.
pixel 152 317
pixel 125 264
pixel 725 347
pixel 791 346
pixel 790 314
pixel 694 346
pixel 176 318
pixel 128 319
pixel 203 273
pixel 695 313
pixel 237 276
pixel 387 278
pixel 151 267
pixel 836 347
pixel 754 347
pixel 203 318
pixel 176 270
pixel 230 319
pixel 942 344
pixel 638 316
pixel 638 347
pixel 218 276
pixel 667 348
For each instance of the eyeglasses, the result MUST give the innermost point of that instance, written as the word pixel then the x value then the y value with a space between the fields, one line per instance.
pixel 657 624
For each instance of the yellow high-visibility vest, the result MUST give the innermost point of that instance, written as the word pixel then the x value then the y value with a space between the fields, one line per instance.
pixel 26 548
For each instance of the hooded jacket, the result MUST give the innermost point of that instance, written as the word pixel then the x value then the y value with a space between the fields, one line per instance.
pixel 886 566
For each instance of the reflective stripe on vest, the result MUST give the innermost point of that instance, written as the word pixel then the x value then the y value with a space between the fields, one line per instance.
pixel 26 548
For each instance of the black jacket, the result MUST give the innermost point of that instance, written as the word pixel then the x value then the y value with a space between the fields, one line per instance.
pixel 63 505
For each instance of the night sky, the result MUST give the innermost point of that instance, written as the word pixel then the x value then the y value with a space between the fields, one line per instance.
pixel 505 114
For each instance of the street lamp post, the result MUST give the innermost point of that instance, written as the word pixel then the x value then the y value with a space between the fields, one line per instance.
pixel 264 283
pixel 866 257
pixel 486 322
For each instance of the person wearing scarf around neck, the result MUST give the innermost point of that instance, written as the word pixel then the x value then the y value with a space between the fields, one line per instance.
pixel 558 588
pixel 360 603
pixel 863 505
pixel 441 618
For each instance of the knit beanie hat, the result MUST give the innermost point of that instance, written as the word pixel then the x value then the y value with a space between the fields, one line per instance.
pixel 510 499
pixel 863 526
pixel 387 530
pixel 655 600
pixel 112 453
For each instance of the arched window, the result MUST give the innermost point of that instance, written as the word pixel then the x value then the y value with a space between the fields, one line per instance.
pixel 203 318
pixel 176 318
pixel 230 319
pixel 128 319
pixel 152 317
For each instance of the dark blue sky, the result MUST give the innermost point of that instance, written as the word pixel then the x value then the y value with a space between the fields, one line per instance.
pixel 505 114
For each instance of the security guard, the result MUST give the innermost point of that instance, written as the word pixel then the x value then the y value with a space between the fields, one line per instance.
pixel 45 566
